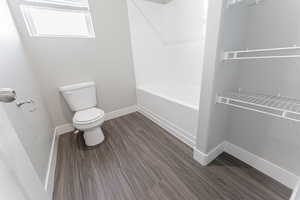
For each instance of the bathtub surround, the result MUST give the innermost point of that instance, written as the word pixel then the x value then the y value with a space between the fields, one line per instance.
pixel 174 45
pixel 34 129
pixel 168 65
pixel 106 59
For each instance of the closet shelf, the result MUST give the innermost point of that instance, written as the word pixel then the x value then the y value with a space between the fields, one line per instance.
pixel 235 55
pixel 278 106
pixel 232 2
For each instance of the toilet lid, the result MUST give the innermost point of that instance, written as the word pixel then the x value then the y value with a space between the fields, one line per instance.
pixel 88 115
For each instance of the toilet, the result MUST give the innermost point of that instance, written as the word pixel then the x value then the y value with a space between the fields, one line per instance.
pixel 82 99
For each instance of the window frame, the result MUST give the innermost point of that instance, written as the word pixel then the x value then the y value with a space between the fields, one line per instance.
pixel 32 29
pixel 59 3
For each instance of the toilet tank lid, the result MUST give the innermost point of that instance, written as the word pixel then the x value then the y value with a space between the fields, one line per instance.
pixel 76 86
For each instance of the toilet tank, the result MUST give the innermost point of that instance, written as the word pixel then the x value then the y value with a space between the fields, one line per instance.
pixel 80 96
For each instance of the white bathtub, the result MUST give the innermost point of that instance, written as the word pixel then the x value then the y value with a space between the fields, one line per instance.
pixel 173 107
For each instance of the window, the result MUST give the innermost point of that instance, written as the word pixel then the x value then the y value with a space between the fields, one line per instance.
pixel 45 19
pixel 75 3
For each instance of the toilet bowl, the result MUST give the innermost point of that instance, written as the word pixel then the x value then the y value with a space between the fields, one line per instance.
pixel 81 98
pixel 89 121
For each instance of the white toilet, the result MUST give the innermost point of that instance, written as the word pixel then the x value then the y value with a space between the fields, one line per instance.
pixel 82 99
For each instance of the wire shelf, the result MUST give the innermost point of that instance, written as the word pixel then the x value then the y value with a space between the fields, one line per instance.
pixel 236 55
pixel 278 106
pixel 233 2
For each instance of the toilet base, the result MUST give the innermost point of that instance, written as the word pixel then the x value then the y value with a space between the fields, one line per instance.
pixel 93 136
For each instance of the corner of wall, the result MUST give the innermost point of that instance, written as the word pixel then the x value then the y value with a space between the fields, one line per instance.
pixel 206 158
pixel 210 64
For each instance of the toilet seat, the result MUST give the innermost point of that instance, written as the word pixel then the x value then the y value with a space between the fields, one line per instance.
pixel 88 116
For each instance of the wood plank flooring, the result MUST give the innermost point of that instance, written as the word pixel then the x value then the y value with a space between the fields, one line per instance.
pixel 141 161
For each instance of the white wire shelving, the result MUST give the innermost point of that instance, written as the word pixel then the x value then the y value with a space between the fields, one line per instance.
pixel 277 106
pixel 236 55
pixel 233 2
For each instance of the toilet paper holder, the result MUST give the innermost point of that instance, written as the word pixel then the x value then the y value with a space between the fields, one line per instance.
pixel 7 95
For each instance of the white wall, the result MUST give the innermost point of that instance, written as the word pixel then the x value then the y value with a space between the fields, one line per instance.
pixel 273 139
pixel 19 179
pixel 232 33
pixel 148 52
pixel 106 60
pixel 213 120
pixel 12 189
pixel 34 129
pixel 167 40
pixel 241 27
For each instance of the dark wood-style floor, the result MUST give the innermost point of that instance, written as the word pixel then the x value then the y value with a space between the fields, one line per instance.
pixel 141 161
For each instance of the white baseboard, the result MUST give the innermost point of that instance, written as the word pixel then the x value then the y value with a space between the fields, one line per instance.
pixel 296 192
pixel 206 158
pixel 65 128
pixel 169 126
pixel 121 112
pixel 50 175
pixel 281 175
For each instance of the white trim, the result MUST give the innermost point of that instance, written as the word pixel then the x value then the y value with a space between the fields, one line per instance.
pixel 121 112
pixel 65 128
pixel 50 175
pixel 32 29
pixel 206 158
pixel 59 3
pixel 169 126
pixel 281 175
pixel 296 192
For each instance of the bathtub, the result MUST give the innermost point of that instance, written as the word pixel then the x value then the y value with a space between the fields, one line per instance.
pixel 173 107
